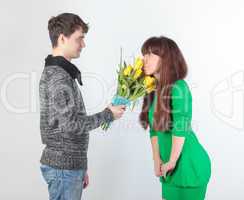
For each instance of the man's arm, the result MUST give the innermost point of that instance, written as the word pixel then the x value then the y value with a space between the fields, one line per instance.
pixel 64 110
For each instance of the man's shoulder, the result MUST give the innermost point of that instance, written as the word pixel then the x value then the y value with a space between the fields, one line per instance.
pixel 54 73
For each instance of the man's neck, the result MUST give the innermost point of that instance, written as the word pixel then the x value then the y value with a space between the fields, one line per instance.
pixel 57 52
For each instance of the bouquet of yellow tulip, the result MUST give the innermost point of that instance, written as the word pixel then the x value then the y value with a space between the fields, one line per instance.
pixel 132 84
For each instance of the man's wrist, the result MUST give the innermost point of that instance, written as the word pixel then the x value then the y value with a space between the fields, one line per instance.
pixel 110 113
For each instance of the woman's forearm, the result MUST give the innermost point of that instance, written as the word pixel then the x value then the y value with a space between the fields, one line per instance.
pixel 155 148
pixel 177 146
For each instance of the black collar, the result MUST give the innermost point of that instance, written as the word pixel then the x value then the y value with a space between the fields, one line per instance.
pixel 60 61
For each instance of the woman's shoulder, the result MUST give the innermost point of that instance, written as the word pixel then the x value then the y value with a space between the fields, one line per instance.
pixel 181 96
pixel 180 86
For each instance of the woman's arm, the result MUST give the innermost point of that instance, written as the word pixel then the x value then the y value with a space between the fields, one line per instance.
pixel 177 145
pixel 181 122
pixel 155 148
pixel 156 156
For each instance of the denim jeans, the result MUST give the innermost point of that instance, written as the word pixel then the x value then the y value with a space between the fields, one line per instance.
pixel 63 184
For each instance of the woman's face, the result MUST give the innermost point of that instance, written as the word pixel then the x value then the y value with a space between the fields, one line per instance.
pixel 151 64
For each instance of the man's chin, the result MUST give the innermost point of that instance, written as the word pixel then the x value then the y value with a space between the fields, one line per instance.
pixel 77 55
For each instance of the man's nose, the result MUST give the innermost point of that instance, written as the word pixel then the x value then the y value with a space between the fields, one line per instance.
pixel 83 44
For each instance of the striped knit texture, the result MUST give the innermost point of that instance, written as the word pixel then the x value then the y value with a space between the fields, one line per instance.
pixel 64 123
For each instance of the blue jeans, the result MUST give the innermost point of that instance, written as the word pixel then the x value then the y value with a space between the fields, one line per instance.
pixel 63 184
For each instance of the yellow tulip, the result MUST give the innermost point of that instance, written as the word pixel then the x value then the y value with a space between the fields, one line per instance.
pixel 137 74
pixel 138 63
pixel 150 89
pixel 148 81
pixel 127 70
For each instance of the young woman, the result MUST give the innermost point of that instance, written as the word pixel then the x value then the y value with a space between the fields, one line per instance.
pixel 180 160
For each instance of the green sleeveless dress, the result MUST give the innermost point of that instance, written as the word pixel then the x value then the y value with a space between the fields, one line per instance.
pixel 189 179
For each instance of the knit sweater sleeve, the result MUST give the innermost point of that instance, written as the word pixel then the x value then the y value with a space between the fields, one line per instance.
pixel 63 109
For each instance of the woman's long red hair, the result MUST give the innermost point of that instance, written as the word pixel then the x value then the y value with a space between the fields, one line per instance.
pixel 172 68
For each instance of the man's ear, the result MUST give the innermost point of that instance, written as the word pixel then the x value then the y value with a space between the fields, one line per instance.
pixel 61 39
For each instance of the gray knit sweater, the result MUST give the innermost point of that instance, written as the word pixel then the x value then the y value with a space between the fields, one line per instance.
pixel 64 123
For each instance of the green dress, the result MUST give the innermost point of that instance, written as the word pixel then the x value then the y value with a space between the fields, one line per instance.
pixel 189 179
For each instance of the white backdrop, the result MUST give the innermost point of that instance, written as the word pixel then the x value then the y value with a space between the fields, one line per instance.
pixel 210 34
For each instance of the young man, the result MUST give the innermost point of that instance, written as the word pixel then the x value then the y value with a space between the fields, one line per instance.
pixel 64 123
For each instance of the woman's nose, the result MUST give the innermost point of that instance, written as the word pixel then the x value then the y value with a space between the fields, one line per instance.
pixel 144 60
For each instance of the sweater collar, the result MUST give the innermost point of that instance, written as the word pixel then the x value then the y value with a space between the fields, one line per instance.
pixel 60 61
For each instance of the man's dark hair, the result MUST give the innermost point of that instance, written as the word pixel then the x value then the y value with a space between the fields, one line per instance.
pixel 66 23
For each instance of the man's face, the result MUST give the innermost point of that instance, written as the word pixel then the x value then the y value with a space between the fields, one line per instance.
pixel 73 44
